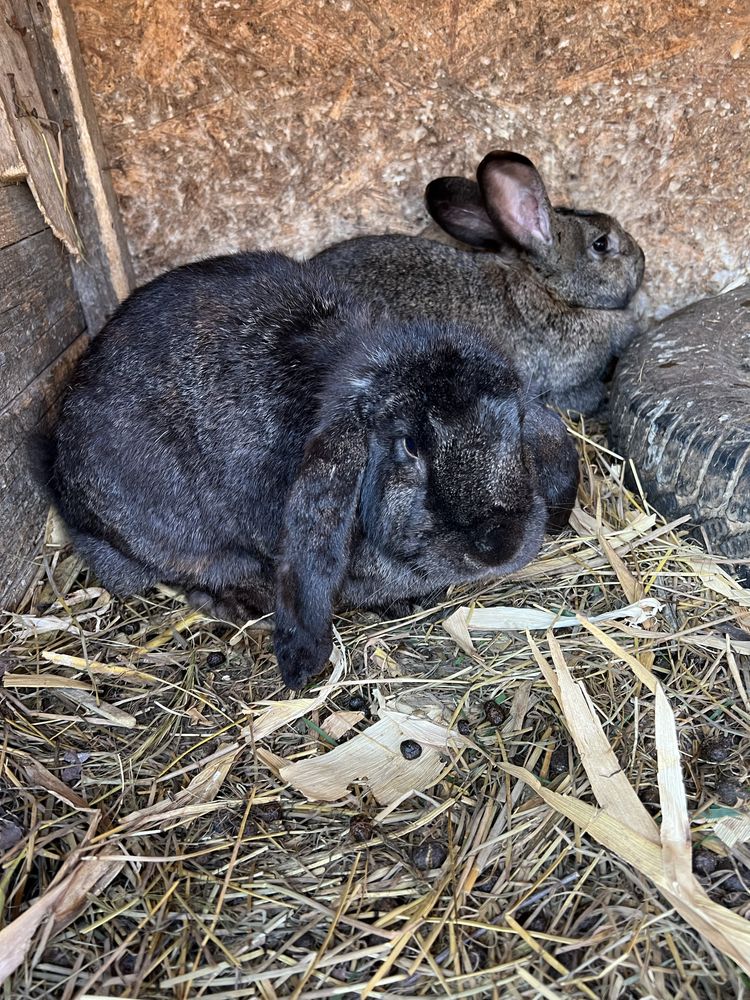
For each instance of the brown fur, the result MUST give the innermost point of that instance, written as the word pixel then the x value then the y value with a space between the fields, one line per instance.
pixel 534 282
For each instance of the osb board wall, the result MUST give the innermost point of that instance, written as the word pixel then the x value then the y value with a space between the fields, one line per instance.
pixel 234 124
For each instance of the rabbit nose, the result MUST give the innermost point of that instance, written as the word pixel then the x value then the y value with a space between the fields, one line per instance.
pixel 498 543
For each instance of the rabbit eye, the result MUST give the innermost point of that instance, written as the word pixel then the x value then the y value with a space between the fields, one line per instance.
pixel 410 447
pixel 601 245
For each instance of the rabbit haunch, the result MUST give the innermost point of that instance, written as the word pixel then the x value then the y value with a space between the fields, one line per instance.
pixel 551 289
pixel 244 429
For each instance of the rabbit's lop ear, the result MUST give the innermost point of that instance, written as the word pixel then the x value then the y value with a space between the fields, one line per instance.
pixel 314 558
pixel 455 203
pixel 516 199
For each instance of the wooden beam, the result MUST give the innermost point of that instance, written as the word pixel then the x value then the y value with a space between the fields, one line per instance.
pixel 12 169
pixel 22 507
pixel 19 215
pixel 41 337
pixel 103 275
pixel 36 135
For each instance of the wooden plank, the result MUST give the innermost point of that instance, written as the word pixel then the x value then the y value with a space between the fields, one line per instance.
pixel 19 215
pixel 22 508
pixel 36 404
pixel 12 169
pixel 39 312
pixel 41 353
pixel 36 134
pixel 34 408
pixel 105 275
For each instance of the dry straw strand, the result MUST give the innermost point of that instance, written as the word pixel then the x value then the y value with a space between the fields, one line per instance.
pixel 188 850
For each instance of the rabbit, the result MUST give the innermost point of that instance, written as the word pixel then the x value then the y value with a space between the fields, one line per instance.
pixel 556 454
pixel 245 429
pixel 551 288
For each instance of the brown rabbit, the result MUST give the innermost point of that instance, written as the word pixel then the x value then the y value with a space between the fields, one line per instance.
pixel 551 289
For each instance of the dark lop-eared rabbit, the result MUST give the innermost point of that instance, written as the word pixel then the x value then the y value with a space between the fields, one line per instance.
pixel 552 292
pixel 244 429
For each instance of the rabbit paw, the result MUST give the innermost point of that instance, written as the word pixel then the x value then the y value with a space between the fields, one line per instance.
pixel 236 606
pixel 301 655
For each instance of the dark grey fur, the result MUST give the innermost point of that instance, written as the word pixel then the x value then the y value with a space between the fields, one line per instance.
pixel 541 291
pixel 242 428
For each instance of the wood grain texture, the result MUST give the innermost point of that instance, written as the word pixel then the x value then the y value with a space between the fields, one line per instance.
pixel 19 215
pixel 46 33
pixel 39 311
pixel 294 124
pixel 22 508
pixel 41 327
pixel 12 169
pixel 35 134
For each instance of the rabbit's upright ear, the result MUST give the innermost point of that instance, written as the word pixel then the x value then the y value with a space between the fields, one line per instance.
pixel 516 199
pixel 315 546
pixel 455 203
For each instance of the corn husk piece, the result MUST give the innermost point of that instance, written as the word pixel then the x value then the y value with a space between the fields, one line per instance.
pixel 26 626
pixel 338 724
pixel 466 620
pixel 612 789
pixel 280 713
pixel 733 829
pixel 374 759
pixel 99 600
pixel 713 577
pixel 622 824
pixel 589 527
pixel 457 627
pixel 726 930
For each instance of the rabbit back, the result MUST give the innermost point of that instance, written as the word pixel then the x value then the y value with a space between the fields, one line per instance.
pixel 169 439
pixel 245 429
pixel 553 351
pixel 549 286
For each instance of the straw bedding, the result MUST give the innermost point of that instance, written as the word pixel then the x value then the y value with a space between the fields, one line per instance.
pixel 171 826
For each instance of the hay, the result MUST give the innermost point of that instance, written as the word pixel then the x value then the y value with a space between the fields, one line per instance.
pixel 158 838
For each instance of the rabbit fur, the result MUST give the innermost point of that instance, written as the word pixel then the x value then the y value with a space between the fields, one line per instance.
pixel 551 288
pixel 245 429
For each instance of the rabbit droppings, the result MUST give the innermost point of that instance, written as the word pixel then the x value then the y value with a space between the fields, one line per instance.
pixel 244 429
pixel 552 292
